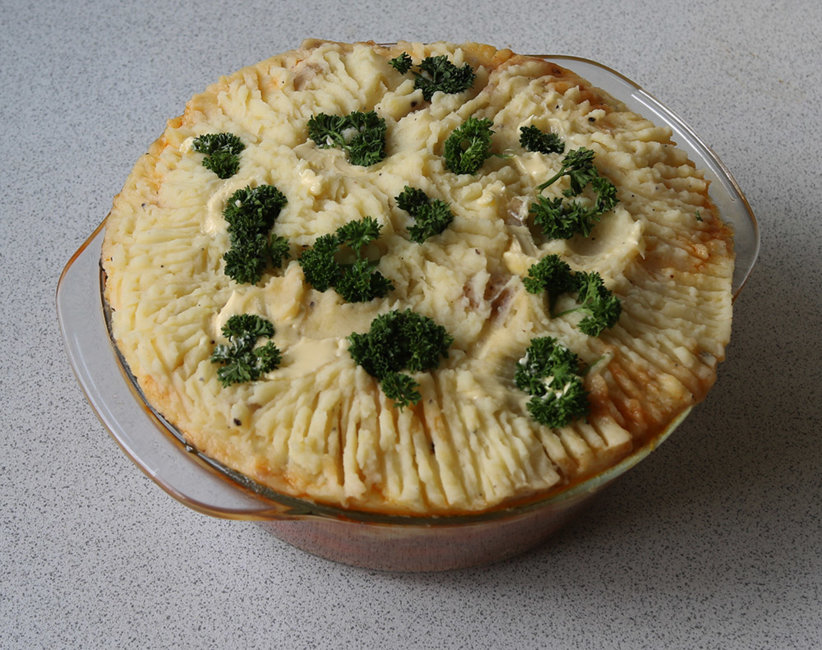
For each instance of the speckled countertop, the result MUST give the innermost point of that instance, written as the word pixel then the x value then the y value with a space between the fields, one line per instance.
pixel 713 542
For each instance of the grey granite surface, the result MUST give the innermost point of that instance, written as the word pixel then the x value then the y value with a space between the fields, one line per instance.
pixel 712 542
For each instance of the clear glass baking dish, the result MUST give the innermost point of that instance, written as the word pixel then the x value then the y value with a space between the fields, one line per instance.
pixel 357 538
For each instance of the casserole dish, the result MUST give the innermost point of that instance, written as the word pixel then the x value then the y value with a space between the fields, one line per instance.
pixel 379 541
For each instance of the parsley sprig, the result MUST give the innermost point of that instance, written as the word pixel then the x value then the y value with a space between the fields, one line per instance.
pixel 357 281
pixel 400 341
pixel 533 138
pixel 600 306
pixel 435 73
pixel 402 63
pixel 552 375
pixel 360 134
pixel 222 152
pixel 241 361
pixel 431 216
pixel 578 166
pixel 554 276
pixel 251 213
pixel 468 146
pixel 561 218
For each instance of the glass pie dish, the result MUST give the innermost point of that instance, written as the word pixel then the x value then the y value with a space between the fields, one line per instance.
pixel 353 537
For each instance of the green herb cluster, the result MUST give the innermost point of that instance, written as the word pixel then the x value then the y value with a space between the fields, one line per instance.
pixel 400 341
pixel 222 152
pixel 435 73
pixel 250 213
pixel 600 306
pixel 552 275
pixel 241 361
pixel 534 139
pixel 355 281
pixel 402 63
pixel 360 134
pixel 468 146
pixel 431 216
pixel 561 218
pixel 551 374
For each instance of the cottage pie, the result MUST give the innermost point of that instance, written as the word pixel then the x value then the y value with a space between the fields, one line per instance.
pixel 416 279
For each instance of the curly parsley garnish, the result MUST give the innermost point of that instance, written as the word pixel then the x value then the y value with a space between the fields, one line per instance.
pixel 400 341
pixel 468 146
pixel 551 374
pixel 250 213
pixel 401 388
pixel 361 135
pixel 435 73
pixel 402 63
pixel 222 152
pixel 578 166
pixel 355 282
pixel 241 361
pixel 600 306
pixel 562 218
pixel 554 276
pixel 534 139
pixel 431 216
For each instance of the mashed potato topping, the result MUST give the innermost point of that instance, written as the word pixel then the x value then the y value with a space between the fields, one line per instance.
pixel 319 427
